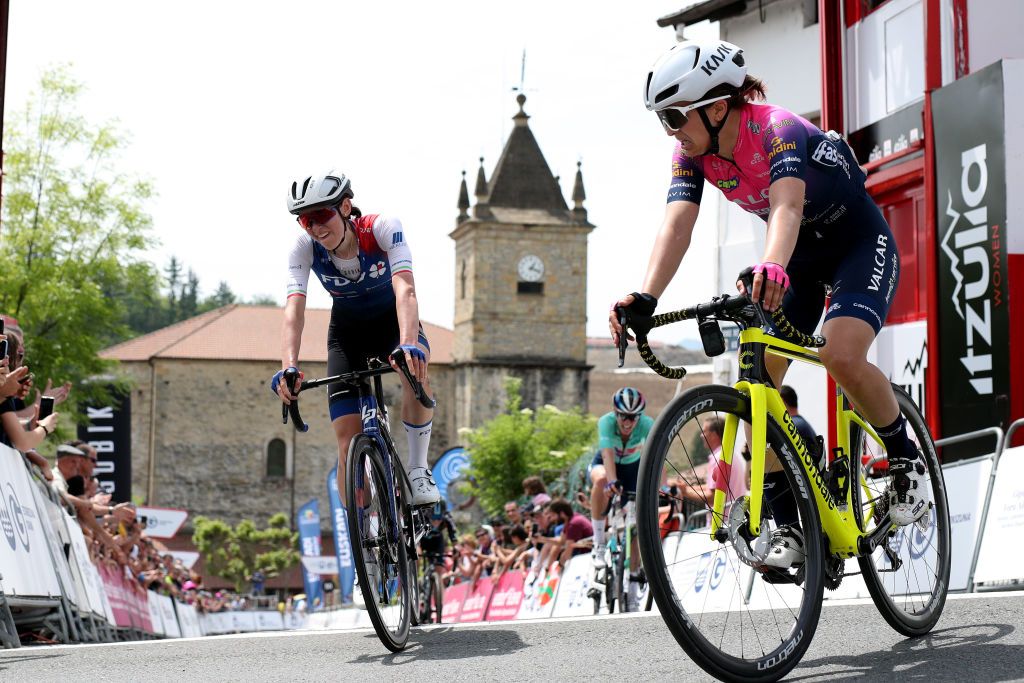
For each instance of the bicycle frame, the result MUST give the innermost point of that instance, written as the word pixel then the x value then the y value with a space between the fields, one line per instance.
pixel 838 518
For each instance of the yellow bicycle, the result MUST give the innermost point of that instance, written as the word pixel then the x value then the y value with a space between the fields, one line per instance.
pixel 735 617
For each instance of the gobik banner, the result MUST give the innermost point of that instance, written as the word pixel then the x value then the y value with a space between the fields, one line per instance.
pixel 970 168
pixel 108 429
pixel 24 553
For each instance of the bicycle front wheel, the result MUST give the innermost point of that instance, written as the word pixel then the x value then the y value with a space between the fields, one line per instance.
pixel 435 599
pixel 908 574
pixel 374 520
pixel 737 619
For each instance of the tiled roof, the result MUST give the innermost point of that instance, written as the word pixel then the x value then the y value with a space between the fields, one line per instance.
pixel 240 332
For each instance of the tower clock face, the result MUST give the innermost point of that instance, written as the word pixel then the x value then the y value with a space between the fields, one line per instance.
pixel 531 268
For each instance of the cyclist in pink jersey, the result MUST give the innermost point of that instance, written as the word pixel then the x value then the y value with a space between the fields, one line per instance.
pixel 823 230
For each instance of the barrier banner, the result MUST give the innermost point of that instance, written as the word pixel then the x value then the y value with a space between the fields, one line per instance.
pixel 507 597
pixel 169 618
pixel 109 431
pixel 48 512
pixel 269 621
pixel 966 487
pixel 242 621
pixel 308 518
pixel 86 569
pixel 577 579
pixel 474 607
pixel 294 620
pixel 453 599
pixel 24 553
pixel 1002 553
pixel 153 607
pixel 188 619
pixel 113 585
pixel 342 547
pixel 539 599
pixel 706 577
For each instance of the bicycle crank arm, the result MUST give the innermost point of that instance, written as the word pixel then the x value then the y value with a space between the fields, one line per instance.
pixel 867 544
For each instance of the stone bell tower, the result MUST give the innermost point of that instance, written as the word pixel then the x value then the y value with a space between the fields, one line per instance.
pixel 520 284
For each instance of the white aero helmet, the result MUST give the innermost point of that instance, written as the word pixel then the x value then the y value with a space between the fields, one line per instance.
pixel 318 192
pixel 683 77
pixel 690 70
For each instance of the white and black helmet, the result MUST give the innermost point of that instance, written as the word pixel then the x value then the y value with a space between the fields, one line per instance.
pixel 690 70
pixel 628 401
pixel 318 192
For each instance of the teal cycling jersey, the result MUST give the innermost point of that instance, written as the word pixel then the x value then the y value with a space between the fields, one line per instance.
pixel 609 437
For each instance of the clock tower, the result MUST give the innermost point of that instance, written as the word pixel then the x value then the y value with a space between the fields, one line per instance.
pixel 520 285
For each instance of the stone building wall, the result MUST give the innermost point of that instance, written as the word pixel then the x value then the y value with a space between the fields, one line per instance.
pixel 214 421
pixel 493 321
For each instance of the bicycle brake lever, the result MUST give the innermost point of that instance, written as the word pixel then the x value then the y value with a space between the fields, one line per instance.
pixel 290 376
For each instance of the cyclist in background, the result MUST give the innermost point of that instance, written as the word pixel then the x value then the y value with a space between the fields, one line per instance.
pixel 365 264
pixel 433 545
pixel 621 436
pixel 822 229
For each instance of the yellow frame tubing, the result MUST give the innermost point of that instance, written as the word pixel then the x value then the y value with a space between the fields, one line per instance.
pixel 837 518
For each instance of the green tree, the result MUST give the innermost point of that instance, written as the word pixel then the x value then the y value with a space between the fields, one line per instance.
pixel 73 237
pixel 235 553
pixel 521 442
pixel 222 297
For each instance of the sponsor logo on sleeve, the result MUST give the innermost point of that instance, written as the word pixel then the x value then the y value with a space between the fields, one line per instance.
pixel 397 238
pixel 779 146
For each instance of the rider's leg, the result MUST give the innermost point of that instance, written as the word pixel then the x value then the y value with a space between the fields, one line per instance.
pixel 875 400
pixel 598 503
pixel 346 427
pixel 418 422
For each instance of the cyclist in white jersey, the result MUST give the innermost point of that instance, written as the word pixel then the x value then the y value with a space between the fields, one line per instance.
pixel 365 265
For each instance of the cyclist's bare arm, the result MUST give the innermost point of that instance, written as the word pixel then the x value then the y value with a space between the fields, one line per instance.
pixel 407 308
pixel 291 337
pixel 608 458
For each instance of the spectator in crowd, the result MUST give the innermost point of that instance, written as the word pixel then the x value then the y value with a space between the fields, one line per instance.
pixel 465 564
pixel 534 488
pixel 803 427
pixel 484 556
pixel 512 513
pixel 509 557
pixel 14 433
pixel 715 474
pixel 575 529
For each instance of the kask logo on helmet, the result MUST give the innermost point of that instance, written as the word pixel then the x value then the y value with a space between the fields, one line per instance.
pixel 717 58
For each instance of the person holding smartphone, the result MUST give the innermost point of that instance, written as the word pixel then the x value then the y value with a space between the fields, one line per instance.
pixel 365 264
pixel 14 433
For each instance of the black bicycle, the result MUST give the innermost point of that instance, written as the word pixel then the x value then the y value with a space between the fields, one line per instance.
pixel 383 524
pixel 614 575
pixel 430 592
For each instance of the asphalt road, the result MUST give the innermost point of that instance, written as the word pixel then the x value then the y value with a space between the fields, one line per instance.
pixel 979 638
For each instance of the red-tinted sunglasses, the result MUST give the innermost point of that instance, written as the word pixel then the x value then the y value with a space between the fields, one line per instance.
pixel 319 217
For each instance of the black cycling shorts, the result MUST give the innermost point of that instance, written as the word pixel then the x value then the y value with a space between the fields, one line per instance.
pixel 350 344
pixel 856 257
pixel 626 474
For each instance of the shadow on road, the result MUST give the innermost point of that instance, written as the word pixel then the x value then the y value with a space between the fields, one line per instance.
pixel 964 653
pixel 447 644
pixel 6 659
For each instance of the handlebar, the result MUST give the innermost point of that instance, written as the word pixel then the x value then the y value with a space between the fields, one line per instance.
pixel 737 308
pixel 356 377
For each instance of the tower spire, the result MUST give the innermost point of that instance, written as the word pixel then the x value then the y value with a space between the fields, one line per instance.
pixel 463 201
pixel 579 195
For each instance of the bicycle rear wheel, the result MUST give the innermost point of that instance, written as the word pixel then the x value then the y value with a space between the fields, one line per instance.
pixel 738 622
pixel 908 574
pixel 621 577
pixel 379 547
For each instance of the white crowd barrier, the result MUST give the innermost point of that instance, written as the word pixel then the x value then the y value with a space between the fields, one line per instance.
pixel 47 579
pixel 48 582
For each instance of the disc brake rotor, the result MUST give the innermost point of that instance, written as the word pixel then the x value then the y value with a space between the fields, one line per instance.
pixel 752 550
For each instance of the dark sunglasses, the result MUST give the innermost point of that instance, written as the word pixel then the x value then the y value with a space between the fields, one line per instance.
pixel 674 118
pixel 627 418
pixel 319 217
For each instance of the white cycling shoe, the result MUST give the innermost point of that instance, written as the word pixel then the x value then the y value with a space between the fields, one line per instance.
pixel 597 555
pixel 908 493
pixel 786 548
pixel 424 488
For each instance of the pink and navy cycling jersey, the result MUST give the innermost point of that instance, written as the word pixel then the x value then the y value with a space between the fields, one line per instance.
pixel 774 143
